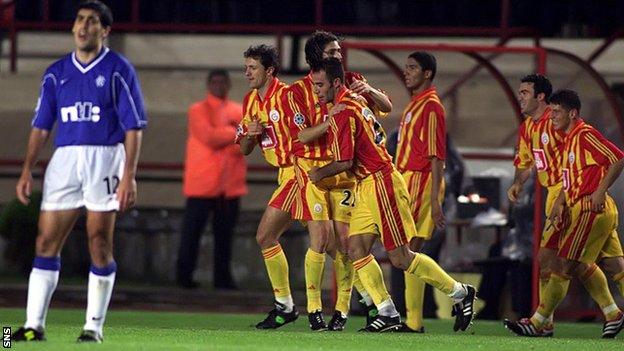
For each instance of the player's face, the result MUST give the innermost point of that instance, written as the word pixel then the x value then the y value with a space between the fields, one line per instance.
pixel 526 98
pixel 257 76
pixel 561 117
pixel 219 86
pixel 413 74
pixel 322 87
pixel 332 49
pixel 89 34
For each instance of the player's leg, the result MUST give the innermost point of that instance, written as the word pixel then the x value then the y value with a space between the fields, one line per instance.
pixel 100 228
pixel 371 276
pixel 223 223
pixel 195 217
pixel 54 227
pixel 344 276
pixel 320 232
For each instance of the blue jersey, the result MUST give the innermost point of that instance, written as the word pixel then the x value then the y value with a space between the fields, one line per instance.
pixel 94 104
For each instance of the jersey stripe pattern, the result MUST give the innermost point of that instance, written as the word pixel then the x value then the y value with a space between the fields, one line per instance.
pixel 587 155
pixel 356 135
pixel 303 110
pixel 275 139
pixel 540 145
pixel 422 133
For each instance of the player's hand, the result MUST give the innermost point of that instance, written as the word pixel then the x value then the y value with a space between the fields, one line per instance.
pixel 598 199
pixel 556 216
pixel 126 193
pixel 254 128
pixel 314 175
pixel 513 192
pixel 438 216
pixel 336 109
pixel 24 187
pixel 359 87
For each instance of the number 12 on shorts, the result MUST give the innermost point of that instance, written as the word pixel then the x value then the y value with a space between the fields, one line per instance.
pixel 111 184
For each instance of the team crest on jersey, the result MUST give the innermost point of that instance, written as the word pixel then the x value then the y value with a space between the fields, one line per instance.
pixel 367 113
pixel 318 208
pixel 571 157
pixel 274 115
pixel 99 81
pixel 239 130
pixel 408 117
pixel 545 138
pixel 299 119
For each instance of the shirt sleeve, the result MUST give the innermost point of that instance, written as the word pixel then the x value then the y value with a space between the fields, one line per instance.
pixel 524 156
pixel 128 99
pixel 342 128
pixel 434 136
pixel 604 152
pixel 46 109
pixel 296 110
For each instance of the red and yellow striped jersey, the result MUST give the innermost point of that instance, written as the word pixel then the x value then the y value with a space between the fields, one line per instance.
pixel 275 140
pixel 356 135
pixel 541 145
pixel 586 157
pixel 303 110
pixel 350 78
pixel 422 133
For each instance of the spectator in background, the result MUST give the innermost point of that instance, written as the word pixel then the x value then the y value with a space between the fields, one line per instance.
pixel 214 180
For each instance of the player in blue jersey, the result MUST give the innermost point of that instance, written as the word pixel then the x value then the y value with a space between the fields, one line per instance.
pixel 94 98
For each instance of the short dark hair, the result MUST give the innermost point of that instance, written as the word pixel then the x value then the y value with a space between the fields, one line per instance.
pixel 266 54
pixel 567 98
pixel 315 45
pixel 426 61
pixel 218 72
pixel 105 14
pixel 333 69
pixel 541 84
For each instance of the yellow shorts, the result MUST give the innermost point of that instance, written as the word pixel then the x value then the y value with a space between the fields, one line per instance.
pixel 285 196
pixel 550 235
pixel 382 208
pixel 591 236
pixel 419 188
pixel 332 199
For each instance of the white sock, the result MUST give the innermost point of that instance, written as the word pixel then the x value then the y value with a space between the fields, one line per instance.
pixel 41 286
pixel 540 318
pixel 287 301
pixel 98 297
pixel 387 309
pixel 608 309
pixel 459 292
pixel 366 298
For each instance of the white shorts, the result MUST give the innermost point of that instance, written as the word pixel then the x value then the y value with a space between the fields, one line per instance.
pixel 83 175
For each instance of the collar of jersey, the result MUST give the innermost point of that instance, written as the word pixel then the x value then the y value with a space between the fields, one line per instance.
pixel 97 60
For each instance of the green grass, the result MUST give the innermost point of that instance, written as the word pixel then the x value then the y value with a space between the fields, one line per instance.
pixel 139 330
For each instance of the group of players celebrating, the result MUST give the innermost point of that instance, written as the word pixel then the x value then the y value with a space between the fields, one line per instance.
pixel 335 175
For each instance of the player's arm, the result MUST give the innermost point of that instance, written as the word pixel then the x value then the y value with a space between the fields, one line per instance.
pixel 599 196
pixel 608 155
pixel 342 129
pixel 127 190
pixel 310 134
pixel 557 212
pixel 381 99
pixel 521 175
pixel 336 167
pixel 249 141
pixel 36 140
pixel 437 173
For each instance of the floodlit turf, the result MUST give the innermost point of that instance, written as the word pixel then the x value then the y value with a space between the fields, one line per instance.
pixel 139 330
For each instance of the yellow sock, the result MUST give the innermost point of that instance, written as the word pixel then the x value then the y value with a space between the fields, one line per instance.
pixel 543 281
pixel 344 282
pixel 314 264
pixel 428 270
pixel 277 267
pixel 414 298
pixel 554 293
pixel 618 279
pixel 596 284
pixel 357 283
pixel 372 278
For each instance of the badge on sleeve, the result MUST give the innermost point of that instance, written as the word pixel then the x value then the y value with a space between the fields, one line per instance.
pixel 299 119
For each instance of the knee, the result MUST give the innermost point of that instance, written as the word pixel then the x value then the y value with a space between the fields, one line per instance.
pixel 612 265
pixel 46 245
pixel 399 262
pixel 416 244
pixel 356 253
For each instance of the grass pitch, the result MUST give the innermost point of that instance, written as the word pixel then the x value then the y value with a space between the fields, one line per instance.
pixel 140 330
